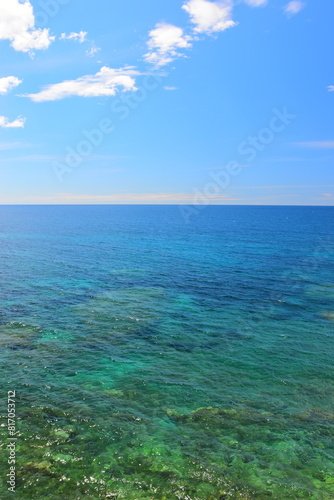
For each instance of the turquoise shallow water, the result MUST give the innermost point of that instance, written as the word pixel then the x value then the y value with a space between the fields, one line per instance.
pixel 154 359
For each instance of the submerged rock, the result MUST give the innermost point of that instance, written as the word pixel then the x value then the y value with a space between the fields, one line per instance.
pixel 212 414
pixel 182 347
pixel 317 415
pixel 328 315
pixel 60 433
pixel 44 467
pixel 114 392
pixel 16 336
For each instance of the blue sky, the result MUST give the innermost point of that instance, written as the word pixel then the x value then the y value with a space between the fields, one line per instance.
pixel 178 101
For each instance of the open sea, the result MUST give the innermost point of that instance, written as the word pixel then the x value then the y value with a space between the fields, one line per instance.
pixel 154 359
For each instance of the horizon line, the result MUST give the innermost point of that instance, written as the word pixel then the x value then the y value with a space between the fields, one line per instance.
pixel 152 205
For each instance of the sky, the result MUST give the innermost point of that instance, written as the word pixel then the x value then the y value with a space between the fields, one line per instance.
pixel 191 102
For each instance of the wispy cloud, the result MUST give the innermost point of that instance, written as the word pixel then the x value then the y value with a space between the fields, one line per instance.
pixel 116 199
pixel 28 158
pixel 256 3
pixel 316 144
pixel 47 158
pixel 170 87
pixel 17 24
pixel 164 44
pixel 8 83
pixel 298 186
pixel 7 146
pixel 157 199
pixel 18 123
pixel 92 50
pixel 209 17
pixel 105 82
pixel 222 167
pixel 294 7
pixel 80 37
pixel 331 88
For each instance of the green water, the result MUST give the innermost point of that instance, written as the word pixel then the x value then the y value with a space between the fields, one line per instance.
pixel 155 360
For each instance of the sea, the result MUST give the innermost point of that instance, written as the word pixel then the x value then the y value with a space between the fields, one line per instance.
pixel 149 356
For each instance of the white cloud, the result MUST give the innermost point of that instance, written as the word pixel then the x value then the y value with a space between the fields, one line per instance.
pixel 170 87
pixel 256 3
pixel 164 42
pixel 17 24
pixel 8 83
pixel 92 51
pixel 294 7
pixel 209 17
pixel 18 123
pixel 331 88
pixel 80 37
pixel 105 82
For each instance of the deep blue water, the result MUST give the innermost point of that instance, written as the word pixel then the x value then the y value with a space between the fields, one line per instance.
pixel 152 358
